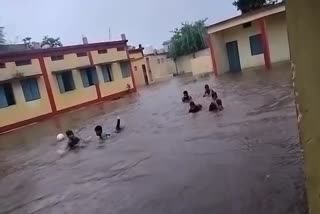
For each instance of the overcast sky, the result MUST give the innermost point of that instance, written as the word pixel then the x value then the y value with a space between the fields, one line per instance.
pixel 148 22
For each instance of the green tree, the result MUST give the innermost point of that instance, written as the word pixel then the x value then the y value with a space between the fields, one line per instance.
pixel 27 42
pixel 2 39
pixel 188 39
pixel 51 42
pixel 249 5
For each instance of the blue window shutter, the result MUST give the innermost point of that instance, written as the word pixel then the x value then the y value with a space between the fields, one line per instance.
pixel 26 90
pixel 95 79
pixel 105 73
pixel 110 72
pixel 256 44
pixel 60 83
pixel 84 78
pixel 3 98
pixel 125 69
pixel 30 89
pixel 35 89
pixel 72 81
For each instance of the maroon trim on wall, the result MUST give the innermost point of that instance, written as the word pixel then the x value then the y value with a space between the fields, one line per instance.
pixel 97 85
pixel 131 70
pixel 265 43
pixel 7 128
pixel 20 124
pixel 47 84
pixel 213 59
pixel 37 53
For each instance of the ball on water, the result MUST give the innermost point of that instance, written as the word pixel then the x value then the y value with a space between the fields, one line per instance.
pixel 60 137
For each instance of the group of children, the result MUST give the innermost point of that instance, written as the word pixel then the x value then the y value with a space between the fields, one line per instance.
pixel 76 142
pixel 215 106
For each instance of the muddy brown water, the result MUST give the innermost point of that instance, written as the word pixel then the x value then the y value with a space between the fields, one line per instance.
pixel 244 160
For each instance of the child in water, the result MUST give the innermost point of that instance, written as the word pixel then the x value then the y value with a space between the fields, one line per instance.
pixel 104 136
pixel 208 92
pixel 216 105
pixel 186 97
pixel 73 141
pixel 194 108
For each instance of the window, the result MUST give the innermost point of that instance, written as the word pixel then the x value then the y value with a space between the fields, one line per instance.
pixel 135 68
pixel 82 54
pixel 65 81
pixel 158 61
pixel 162 60
pixel 125 69
pixel 247 25
pixel 107 73
pixel 256 45
pixel 23 62
pixel 120 49
pixel 103 51
pixel 2 65
pixel 89 76
pixel 30 89
pixel 57 57
pixel 6 95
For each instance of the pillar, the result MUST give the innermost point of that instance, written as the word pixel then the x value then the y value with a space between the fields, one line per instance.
pixel 213 59
pixel 304 39
pixel 265 43
pixel 97 85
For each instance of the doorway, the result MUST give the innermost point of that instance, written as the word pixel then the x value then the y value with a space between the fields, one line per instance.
pixel 145 74
pixel 233 56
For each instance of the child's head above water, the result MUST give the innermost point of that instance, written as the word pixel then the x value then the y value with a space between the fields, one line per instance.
pixel 192 104
pixel 69 134
pixel 206 87
pixel 98 130
pixel 186 94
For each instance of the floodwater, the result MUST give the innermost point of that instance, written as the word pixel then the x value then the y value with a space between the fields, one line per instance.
pixel 244 160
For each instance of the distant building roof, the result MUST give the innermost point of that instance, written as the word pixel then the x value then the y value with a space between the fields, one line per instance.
pixel 34 53
pixel 136 50
pixel 12 47
pixel 247 17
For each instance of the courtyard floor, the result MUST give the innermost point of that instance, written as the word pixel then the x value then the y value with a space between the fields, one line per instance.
pixel 244 160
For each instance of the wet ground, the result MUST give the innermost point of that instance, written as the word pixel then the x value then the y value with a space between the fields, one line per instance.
pixel 244 160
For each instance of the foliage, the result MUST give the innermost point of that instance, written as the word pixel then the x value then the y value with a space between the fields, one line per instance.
pixel 27 42
pixel 188 39
pixel 249 5
pixel 2 39
pixel 51 42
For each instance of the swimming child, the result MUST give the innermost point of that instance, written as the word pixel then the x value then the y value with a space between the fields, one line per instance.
pixel 209 92
pixel 194 108
pixel 216 105
pixel 186 97
pixel 73 141
pixel 104 136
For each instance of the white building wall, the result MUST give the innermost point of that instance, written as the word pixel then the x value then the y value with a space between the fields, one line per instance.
pixel 220 52
pixel 241 35
pixel 278 37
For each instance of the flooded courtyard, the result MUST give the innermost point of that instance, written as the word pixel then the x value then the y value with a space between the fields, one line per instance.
pixel 244 160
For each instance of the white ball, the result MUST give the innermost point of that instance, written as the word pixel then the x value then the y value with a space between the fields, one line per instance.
pixel 60 137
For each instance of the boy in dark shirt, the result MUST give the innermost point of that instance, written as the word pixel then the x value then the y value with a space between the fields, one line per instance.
pixel 186 97
pixel 207 91
pixel 216 105
pixel 194 108
pixel 73 141
pixel 104 136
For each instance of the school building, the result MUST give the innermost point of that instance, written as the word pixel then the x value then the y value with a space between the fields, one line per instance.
pixel 40 83
pixel 250 40
pixel 150 68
